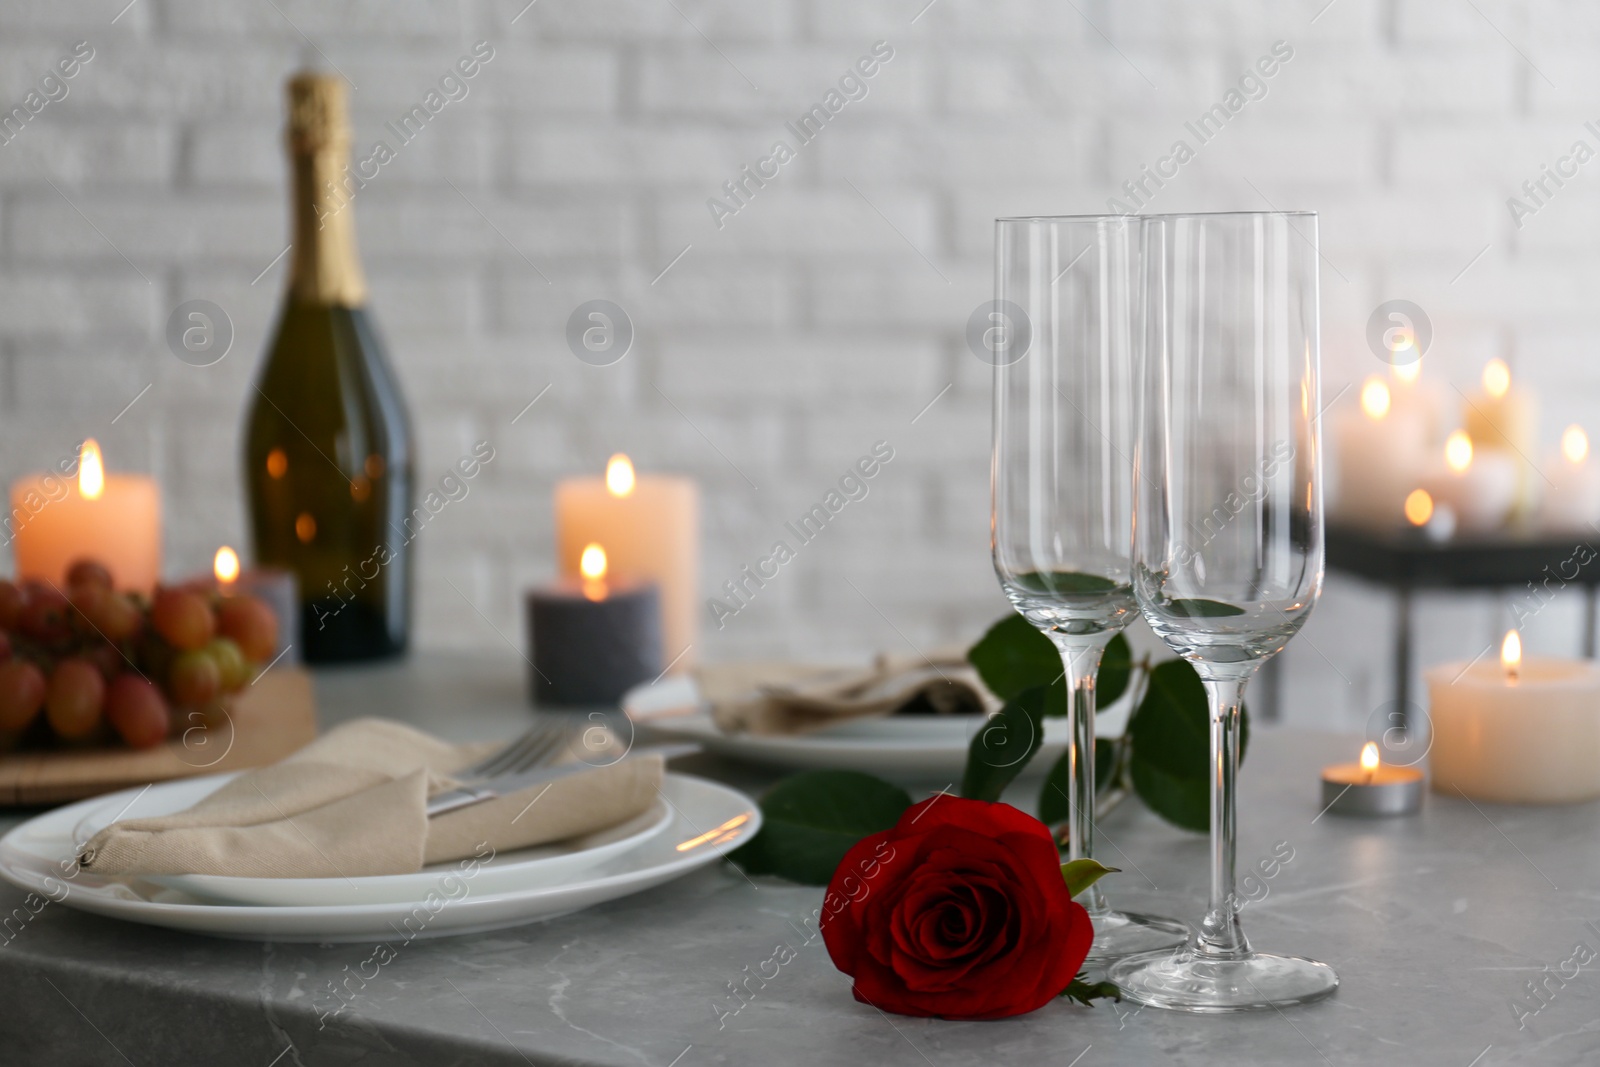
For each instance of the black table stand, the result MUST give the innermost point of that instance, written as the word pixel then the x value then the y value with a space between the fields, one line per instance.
pixel 1407 561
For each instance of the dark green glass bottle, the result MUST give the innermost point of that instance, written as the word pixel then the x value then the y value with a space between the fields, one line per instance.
pixel 327 448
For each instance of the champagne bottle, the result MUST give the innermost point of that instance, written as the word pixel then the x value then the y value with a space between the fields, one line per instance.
pixel 328 443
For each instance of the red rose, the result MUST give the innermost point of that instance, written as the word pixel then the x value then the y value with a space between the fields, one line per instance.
pixel 959 911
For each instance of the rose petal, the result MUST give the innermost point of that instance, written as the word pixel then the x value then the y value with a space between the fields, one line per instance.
pixel 959 911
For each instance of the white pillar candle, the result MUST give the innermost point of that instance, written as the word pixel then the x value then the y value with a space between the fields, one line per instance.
pixel 1479 487
pixel 1503 418
pixel 1570 489
pixel 1518 731
pixel 1431 403
pixel 1378 451
pixel 649 527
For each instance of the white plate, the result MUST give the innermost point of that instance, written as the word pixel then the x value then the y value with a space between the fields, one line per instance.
pixel 908 748
pixel 511 871
pixel 708 820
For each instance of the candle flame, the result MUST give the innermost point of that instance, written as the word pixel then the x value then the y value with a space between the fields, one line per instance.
pixel 1496 378
pixel 1419 507
pixel 1375 398
pixel 91 471
pixel 1458 451
pixel 619 475
pixel 592 565
pixel 1511 655
pixel 1408 372
pixel 1369 758
pixel 226 564
pixel 1574 443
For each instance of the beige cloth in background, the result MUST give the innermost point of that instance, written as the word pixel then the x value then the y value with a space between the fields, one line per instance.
pixel 354 802
pixel 788 698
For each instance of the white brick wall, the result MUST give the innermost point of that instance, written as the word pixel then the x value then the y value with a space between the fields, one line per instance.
pixel 824 316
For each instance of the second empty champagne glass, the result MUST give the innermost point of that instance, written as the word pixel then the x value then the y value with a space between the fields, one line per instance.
pixel 1063 480
pixel 1228 551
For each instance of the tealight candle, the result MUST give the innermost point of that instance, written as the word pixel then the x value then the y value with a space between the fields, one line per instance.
pixel 592 638
pixel 1437 523
pixel 1521 731
pixel 1571 497
pixel 1378 451
pixel 274 586
pixel 112 518
pixel 1480 487
pixel 1371 787
pixel 649 525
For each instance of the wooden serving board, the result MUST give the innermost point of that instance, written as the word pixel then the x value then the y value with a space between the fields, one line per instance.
pixel 266 722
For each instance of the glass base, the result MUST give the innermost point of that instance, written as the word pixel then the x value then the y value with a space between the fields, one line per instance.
pixel 1187 981
pixel 1118 934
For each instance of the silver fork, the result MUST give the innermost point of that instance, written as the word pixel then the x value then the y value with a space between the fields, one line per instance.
pixel 542 743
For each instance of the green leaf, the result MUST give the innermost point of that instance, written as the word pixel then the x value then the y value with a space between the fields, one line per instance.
pixel 1084 992
pixel 1169 739
pixel 1184 802
pixel 1116 665
pixel 1013 656
pixel 1054 803
pixel 1195 608
pixel 1171 727
pixel 1003 746
pixel 1070 583
pixel 1081 874
pixel 810 820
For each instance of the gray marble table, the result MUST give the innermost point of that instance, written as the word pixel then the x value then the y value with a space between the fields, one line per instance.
pixel 1436 924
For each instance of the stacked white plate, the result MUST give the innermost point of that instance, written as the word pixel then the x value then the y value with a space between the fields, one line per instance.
pixel 907 748
pixel 692 823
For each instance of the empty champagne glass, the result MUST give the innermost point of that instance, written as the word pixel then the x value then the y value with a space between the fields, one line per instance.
pixel 1062 534
pixel 1228 546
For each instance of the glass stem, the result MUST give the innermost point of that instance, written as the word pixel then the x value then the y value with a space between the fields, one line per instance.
pixel 1221 936
pixel 1082 663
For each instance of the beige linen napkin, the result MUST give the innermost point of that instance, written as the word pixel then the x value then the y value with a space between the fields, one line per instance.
pixel 788 698
pixel 354 803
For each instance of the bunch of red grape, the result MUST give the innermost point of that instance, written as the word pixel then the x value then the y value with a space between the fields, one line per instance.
pixel 83 665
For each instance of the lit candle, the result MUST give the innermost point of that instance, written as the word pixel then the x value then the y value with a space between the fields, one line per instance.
pixel 1503 418
pixel 1571 497
pixel 1437 522
pixel 1379 451
pixel 274 586
pixel 1371 787
pixel 593 637
pixel 649 525
pixel 1432 404
pixel 1480 487
pixel 1523 730
pixel 112 518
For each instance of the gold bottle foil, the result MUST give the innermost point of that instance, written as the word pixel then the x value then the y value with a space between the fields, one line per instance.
pixel 324 268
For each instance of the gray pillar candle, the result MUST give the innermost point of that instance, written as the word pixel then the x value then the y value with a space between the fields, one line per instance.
pixel 588 650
